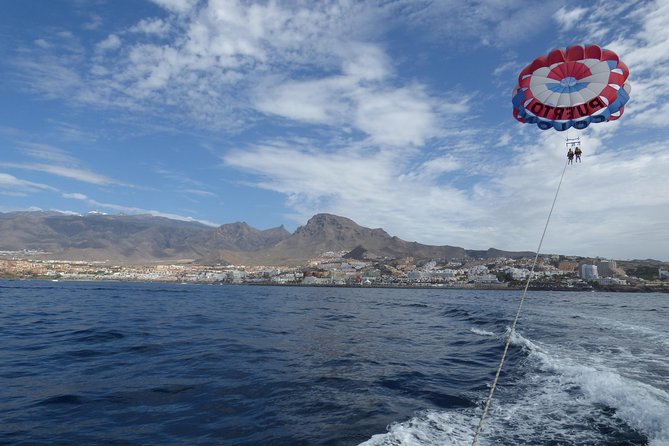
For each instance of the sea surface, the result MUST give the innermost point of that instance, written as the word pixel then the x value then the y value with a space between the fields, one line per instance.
pixel 170 364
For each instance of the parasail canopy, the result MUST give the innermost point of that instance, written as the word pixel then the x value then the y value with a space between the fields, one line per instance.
pixel 572 87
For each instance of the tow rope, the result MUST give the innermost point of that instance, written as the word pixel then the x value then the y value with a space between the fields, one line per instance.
pixel 515 320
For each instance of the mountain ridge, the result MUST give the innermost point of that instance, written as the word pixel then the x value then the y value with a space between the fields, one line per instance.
pixel 136 239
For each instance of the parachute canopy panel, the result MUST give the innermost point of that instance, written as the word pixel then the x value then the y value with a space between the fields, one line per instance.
pixel 572 87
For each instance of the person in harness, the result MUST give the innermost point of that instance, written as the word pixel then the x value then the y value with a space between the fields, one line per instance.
pixel 578 152
pixel 570 156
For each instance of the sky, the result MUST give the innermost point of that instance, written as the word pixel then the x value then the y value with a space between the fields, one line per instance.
pixel 395 114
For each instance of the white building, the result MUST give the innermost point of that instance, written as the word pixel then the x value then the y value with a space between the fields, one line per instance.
pixel 484 278
pixel 517 273
pixel 236 276
pixel 477 270
pixel 588 272
pixel 432 276
pixel 611 281
pixel 607 268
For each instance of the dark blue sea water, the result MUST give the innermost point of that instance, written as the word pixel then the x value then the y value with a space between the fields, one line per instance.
pixel 169 364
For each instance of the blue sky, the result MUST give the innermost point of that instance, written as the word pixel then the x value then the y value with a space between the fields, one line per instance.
pixel 396 114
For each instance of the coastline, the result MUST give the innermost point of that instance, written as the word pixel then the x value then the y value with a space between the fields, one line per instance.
pixel 431 286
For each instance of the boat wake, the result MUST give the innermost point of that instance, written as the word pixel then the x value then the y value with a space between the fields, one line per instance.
pixel 560 397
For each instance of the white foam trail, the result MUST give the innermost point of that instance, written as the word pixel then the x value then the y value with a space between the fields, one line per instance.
pixel 561 389
pixel 428 429
pixel 480 332
pixel 642 406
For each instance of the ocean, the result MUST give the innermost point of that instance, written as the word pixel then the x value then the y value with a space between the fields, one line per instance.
pixel 107 363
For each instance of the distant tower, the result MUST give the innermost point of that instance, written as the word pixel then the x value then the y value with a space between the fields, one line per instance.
pixel 607 268
pixel 588 272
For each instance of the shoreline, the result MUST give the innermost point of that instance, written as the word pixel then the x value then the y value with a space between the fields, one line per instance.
pixel 435 286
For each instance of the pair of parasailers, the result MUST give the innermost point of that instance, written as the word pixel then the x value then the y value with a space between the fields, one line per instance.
pixel 571 153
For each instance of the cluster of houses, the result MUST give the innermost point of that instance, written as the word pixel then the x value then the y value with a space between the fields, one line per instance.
pixel 465 272
pixel 333 268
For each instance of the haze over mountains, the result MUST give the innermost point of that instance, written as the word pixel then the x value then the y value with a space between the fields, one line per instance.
pixel 126 239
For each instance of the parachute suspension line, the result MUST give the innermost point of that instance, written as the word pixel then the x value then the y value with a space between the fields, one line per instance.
pixel 479 428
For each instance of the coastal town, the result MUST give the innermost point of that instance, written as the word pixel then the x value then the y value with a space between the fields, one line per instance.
pixel 335 269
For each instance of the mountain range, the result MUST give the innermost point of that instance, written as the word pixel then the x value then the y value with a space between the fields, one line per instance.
pixel 136 239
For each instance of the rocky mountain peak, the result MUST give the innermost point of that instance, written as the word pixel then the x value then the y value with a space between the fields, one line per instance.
pixel 323 224
pixel 236 229
pixel 139 239
pixel 246 238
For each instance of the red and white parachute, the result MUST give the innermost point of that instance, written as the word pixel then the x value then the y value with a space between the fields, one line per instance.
pixel 575 87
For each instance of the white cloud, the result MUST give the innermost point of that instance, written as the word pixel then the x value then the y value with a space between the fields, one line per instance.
pixel 567 18
pixel 507 67
pixel 640 41
pixel 112 42
pixel 397 117
pixel 43 44
pixel 653 117
pixel 203 193
pixel 74 173
pixel 8 181
pixel 214 55
pixel 319 102
pixel 375 189
pixel 438 202
pixel 46 152
pixel 365 62
pixel 599 204
pixel 76 196
pixel 153 26
pixel 390 116
pixel 178 6
pixel 438 166
pixel 59 163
